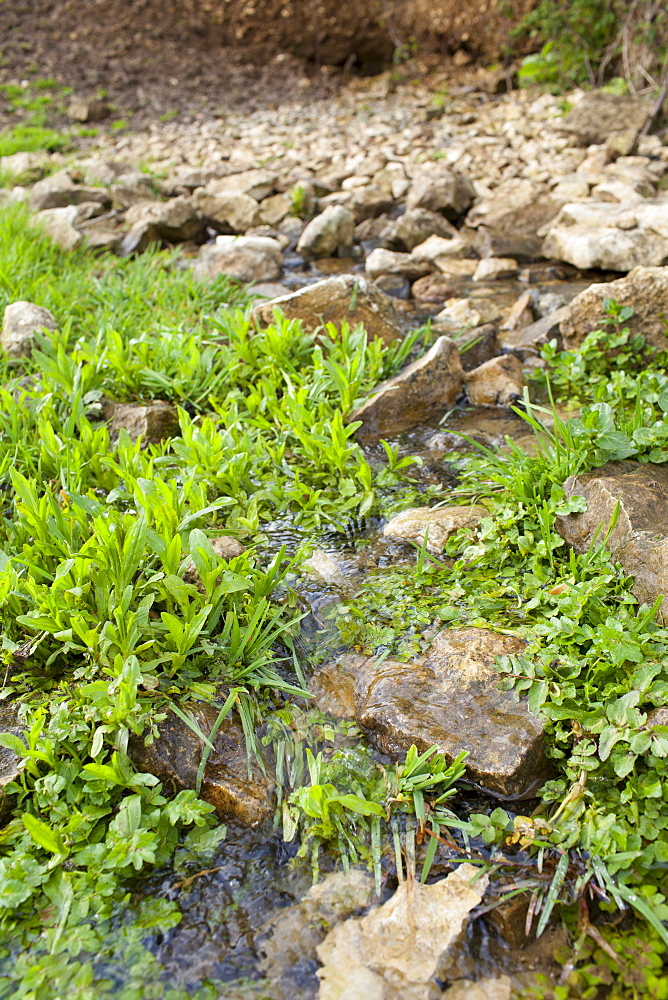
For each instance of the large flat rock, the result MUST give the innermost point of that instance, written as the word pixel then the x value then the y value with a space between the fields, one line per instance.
pixel 639 540
pixel 449 698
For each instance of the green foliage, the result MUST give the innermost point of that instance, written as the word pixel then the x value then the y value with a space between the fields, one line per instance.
pixel 32 104
pixel 32 138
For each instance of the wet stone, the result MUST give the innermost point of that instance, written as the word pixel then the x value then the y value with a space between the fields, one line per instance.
pixel 498 382
pixel 640 536
pixel 437 524
pixel 175 756
pixel 449 698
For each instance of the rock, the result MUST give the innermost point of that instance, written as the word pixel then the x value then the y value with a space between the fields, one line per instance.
pixel 512 216
pixel 441 190
pixel 368 203
pixel 225 547
pixel 639 540
pixel 598 116
pixel 458 313
pixel 483 989
pixel 268 290
pixel 394 285
pixel 491 268
pixel 174 758
pixel 60 225
pixel 11 764
pixel 132 187
pixel 382 261
pixel 152 422
pixel 324 567
pixel 229 211
pixel 155 221
pixel 20 322
pixel 274 209
pixel 81 110
pixel 425 389
pixel 386 955
pixel 531 338
pixel 452 268
pixel 345 298
pixel 645 289
pixel 448 698
pixel 498 382
pixel 245 258
pixel 520 314
pixel 26 167
pixel 477 345
pixel 288 942
pixel 437 524
pixel 432 288
pixel 329 233
pixel 416 225
pixel 59 190
pixel 436 249
pixel 258 183
pixel 604 248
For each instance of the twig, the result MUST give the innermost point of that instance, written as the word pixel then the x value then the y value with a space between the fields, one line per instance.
pixel 191 878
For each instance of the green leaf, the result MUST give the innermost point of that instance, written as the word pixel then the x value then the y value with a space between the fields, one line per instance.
pixel 43 835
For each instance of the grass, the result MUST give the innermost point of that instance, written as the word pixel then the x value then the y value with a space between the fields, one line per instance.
pixel 101 633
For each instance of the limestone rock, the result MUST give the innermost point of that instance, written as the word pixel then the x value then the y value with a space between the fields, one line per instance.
pixel 331 231
pixel 151 422
pixel 445 191
pixel 458 313
pixel 516 206
pixel 26 167
pixel 82 110
pixel 346 298
pixel 258 183
pixel 520 314
pixel 171 221
pixel 130 188
pixel 432 288
pixel 598 116
pixel 477 344
pixel 322 566
pixel 246 258
pixel 60 225
pixel 491 268
pixel 416 225
pixel 382 261
pixel 437 524
pixel 498 382
pixel 439 248
pixel 640 537
pixel 20 322
pixel 645 289
pixel 483 989
pixel 274 209
pixel 386 954
pixel 426 388
pixel 449 698
pixel 453 268
pixel 604 248
pixel 174 758
pixel 59 190
pixel 531 338
pixel 229 211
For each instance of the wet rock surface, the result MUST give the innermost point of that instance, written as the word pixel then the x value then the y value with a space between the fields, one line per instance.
pixel 497 382
pixel 447 698
pixel 436 524
pixel 386 955
pixel 639 540
pixel 175 756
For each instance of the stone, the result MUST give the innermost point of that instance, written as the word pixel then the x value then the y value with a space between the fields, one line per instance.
pixel 20 322
pixel 81 110
pixel 329 233
pixel 231 212
pixel 245 258
pixel 341 299
pixel 498 382
pixel 152 422
pixel 175 756
pixel 515 206
pixel 387 954
pixel 425 389
pixel 432 288
pixel 11 764
pixel 476 345
pixel 382 261
pixel 645 289
pixel 59 190
pixel 26 167
pixel 395 285
pixel 441 190
pixel 598 116
pixel 437 248
pixel 416 225
pixel 275 209
pixel 532 337
pixel 171 221
pixel 322 566
pixel 520 313
pixel 60 225
pixel 368 202
pixel 225 547
pixel 448 698
pixel 452 268
pixel 639 540
pixel 483 989
pixel 437 524
pixel 131 188
pixel 604 248
pixel 258 182
pixel 492 268
pixel 458 313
